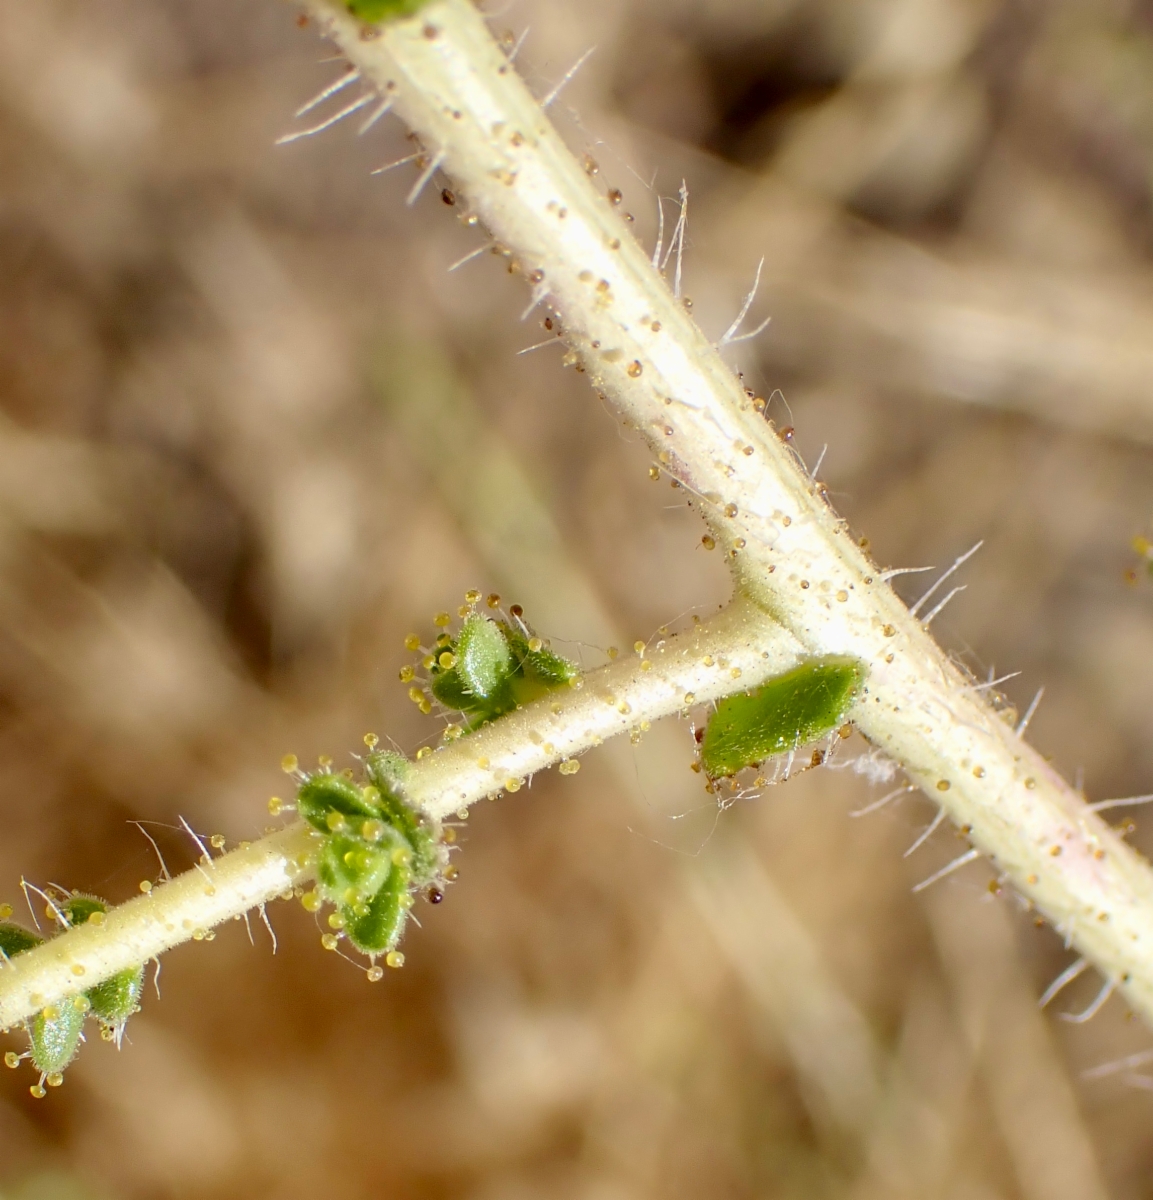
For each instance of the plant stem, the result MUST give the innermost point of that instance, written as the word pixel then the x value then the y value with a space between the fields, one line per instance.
pixel 736 649
pixel 790 553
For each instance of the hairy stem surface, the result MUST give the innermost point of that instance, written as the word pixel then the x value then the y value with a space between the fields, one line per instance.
pixel 789 552
pixel 735 650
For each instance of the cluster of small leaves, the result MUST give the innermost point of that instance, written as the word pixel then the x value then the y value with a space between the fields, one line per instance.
pixel 780 716
pixel 55 1033
pixel 375 855
pixel 491 667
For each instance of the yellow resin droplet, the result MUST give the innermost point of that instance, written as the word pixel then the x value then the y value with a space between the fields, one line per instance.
pixel 310 901
pixel 441 620
pixel 289 763
pixel 412 642
pixel 401 856
pixel 493 600
pixel 690 697
pixel 216 841
pixel 329 941
pixel 535 644
pixel 55 1079
pixel 612 652
pixel 38 1091
pixel 275 806
pixel 78 969
pixel 146 886
pixel 11 1059
pixel 371 740
pixel 394 958
pixel 472 595
pixel 512 785
pixel 335 921
pixel 372 830
pixel 407 675
pixel 325 760
pixel 424 752
pixel 447 660
pixel 5 911
pixel 336 821
pixel 639 647
pixel 570 766
pixel 374 974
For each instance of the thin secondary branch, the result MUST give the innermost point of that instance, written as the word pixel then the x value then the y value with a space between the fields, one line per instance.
pixel 736 649
pixel 789 551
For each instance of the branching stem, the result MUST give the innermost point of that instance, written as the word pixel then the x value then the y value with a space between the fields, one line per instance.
pixel 804 585
pixel 736 649
pixel 788 550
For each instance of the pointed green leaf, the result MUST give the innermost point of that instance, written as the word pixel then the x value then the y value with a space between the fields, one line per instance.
pixel 55 1034
pixel 781 715
pixel 15 939
pixel 321 797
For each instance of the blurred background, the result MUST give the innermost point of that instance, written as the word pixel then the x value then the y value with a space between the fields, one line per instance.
pixel 255 431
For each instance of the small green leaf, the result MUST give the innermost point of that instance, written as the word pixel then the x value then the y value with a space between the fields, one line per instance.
pixel 55 1034
pixel 375 11
pixel 15 939
pixel 77 908
pixel 118 997
pixel 496 667
pixel 781 715
pixel 483 658
pixel 348 867
pixel 376 927
pixel 322 798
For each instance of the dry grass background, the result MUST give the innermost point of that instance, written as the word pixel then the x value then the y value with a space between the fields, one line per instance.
pixel 254 432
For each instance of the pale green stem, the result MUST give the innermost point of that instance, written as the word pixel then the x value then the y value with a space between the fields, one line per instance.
pixel 450 82
pixel 734 650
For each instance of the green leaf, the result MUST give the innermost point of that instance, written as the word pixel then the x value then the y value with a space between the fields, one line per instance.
pixel 118 997
pixel 375 11
pixel 350 866
pixel 77 908
pixel 376 927
pixel 323 799
pixel 15 939
pixel 781 715
pixel 483 658
pixel 55 1034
